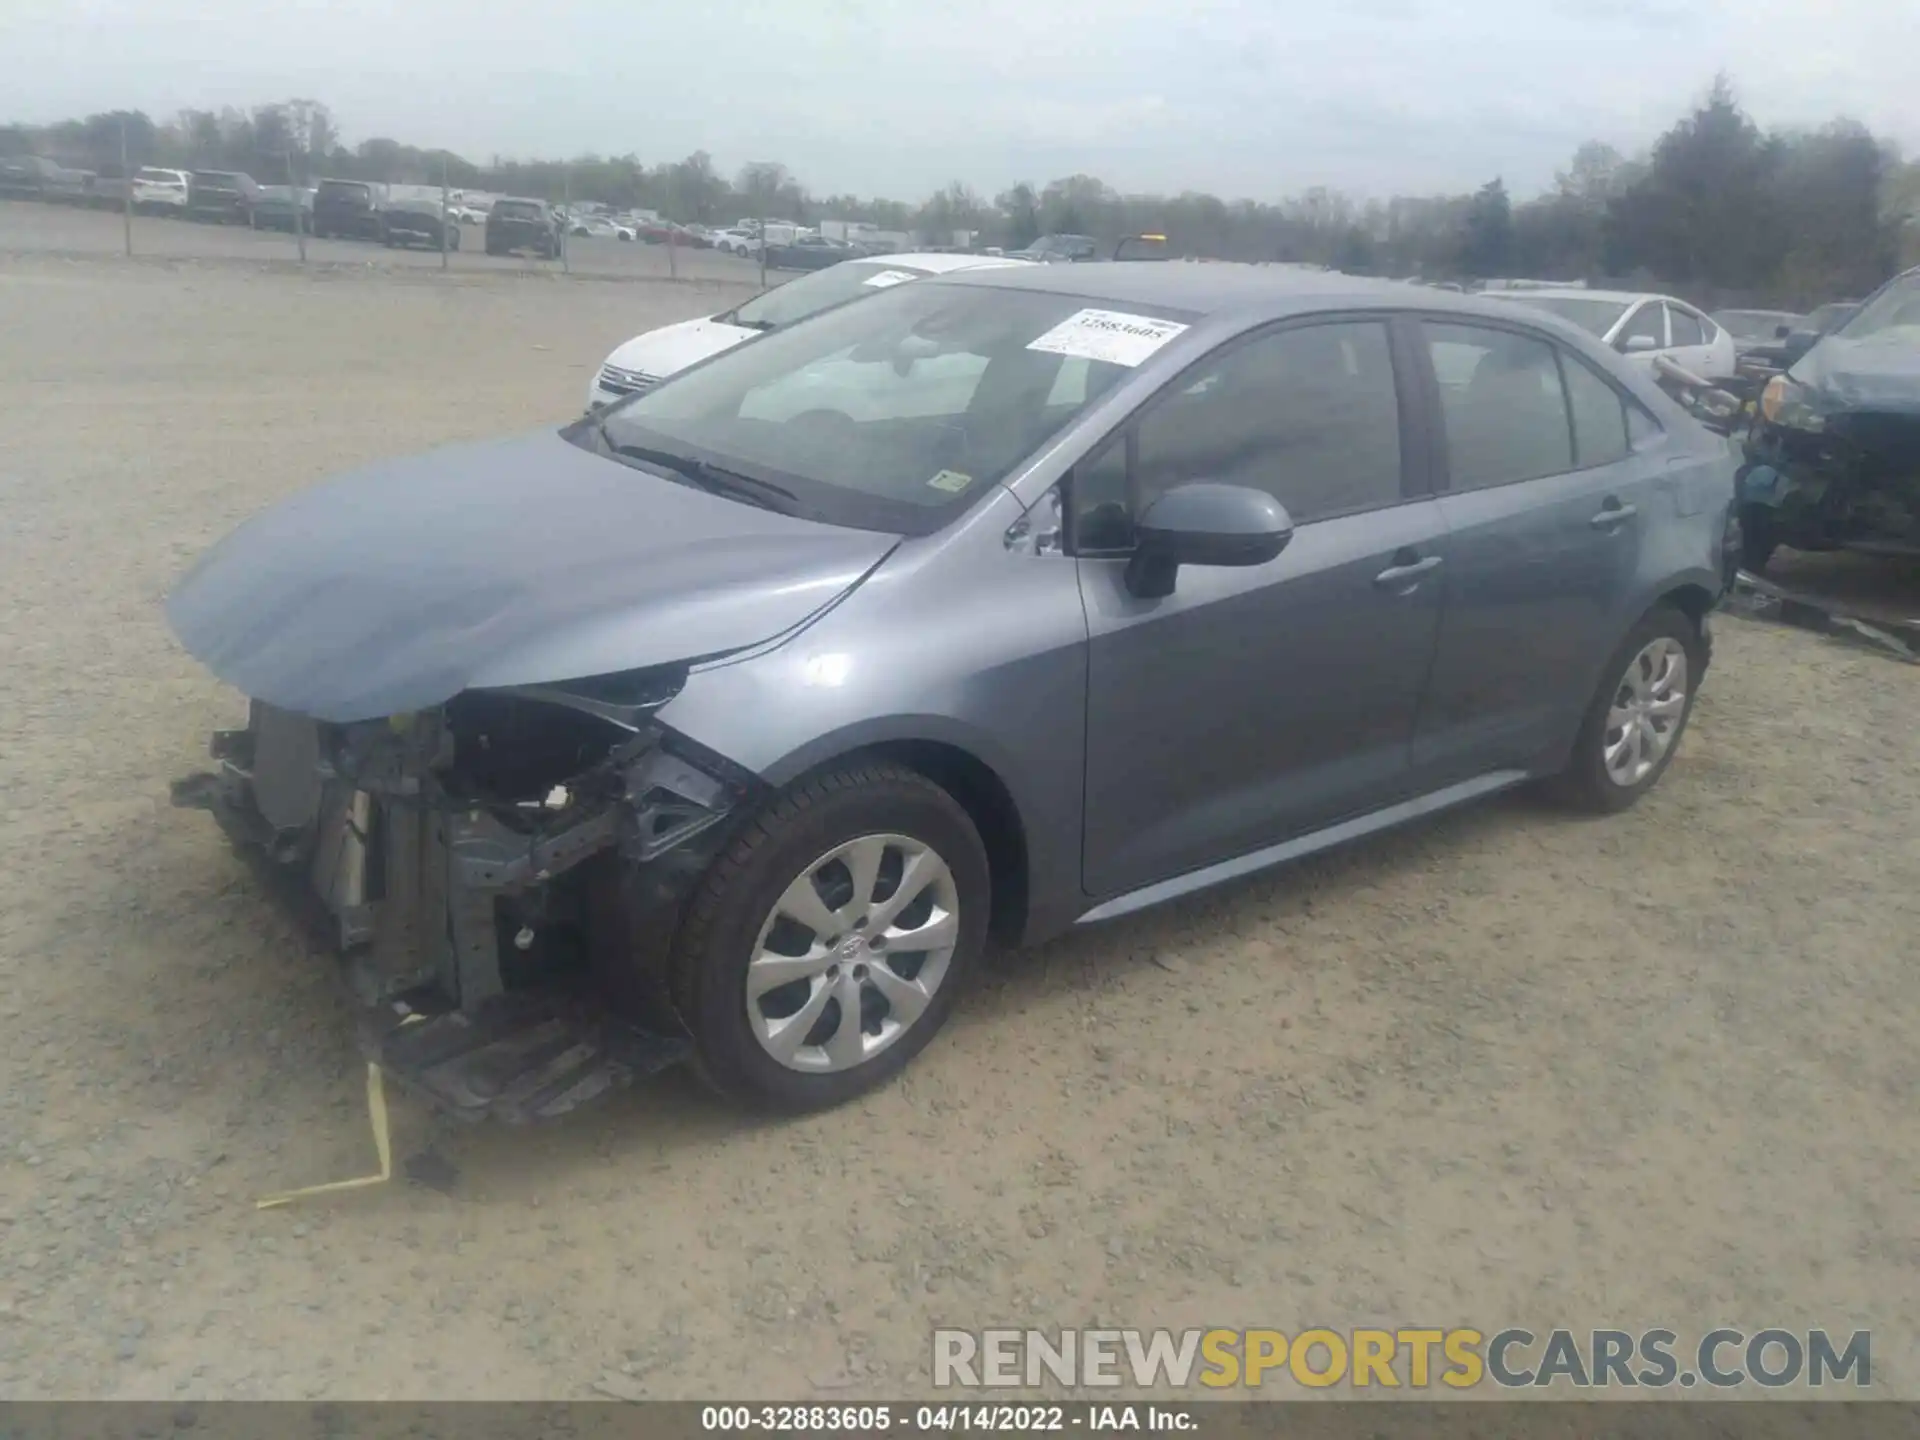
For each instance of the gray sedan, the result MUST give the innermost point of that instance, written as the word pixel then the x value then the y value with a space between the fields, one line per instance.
pixel 732 722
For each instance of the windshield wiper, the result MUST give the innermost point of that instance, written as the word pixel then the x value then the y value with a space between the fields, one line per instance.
pixel 714 479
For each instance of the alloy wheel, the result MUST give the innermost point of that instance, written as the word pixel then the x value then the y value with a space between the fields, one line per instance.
pixel 1648 705
pixel 852 953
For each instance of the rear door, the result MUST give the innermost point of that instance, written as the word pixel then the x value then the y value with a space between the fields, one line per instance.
pixel 1697 342
pixel 1253 705
pixel 1545 500
pixel 1643 334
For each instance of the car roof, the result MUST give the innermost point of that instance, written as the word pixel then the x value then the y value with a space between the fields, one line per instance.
pixel 1218 288
pixel 937 262
pixel 1623 297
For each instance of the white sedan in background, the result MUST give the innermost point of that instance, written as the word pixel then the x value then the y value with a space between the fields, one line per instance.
pixel 1641 327
pixel 649 358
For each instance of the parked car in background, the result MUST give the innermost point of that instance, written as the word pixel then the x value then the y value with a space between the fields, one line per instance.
pixel 417 221
pixel 1639 327
pixel 284 207
pixel 350 210
pixel 736 242
pixel 1824 320
pixel 64 186
pixel 1060 250
pixel 647 359
pixel 1192 580
pixel 24 177
pixel 158 190
pixel 1833 457
pixel 516 225
pixel 600 227
pixel 1757 334
pixel 809 252
pixel 226 197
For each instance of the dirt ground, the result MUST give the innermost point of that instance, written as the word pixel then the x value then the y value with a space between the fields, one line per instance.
pixel 1507 1068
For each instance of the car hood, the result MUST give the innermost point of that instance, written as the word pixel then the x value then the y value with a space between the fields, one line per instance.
pixel 1878 373
pixel 511 562
pixel 674 347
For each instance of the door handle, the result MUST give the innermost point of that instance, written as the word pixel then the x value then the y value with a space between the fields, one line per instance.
pixel 1407 570
pixel 1612 515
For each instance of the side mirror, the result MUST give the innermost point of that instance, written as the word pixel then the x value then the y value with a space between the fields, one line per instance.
pixel 1638 345
pixel 1781 332
pixel 1204 524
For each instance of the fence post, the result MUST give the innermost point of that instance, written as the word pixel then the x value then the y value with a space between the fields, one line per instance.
pixel 299 211
pixel 763 252
pixel 126 189
pixel 444 216
pixel 673 270
pixel 566 225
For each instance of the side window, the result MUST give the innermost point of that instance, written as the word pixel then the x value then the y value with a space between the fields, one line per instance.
pixel 1648 321
pixel 1687 329
pixel 1641 427
pixel 1502 406
pixel 1309 415
pixel 1599 415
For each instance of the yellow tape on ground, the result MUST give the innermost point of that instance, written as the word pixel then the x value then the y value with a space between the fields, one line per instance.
pixel 383 1147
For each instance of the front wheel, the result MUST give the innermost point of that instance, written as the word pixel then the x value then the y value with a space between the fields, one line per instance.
pixel 831 939
pixel 1759 537
pixel 1633 727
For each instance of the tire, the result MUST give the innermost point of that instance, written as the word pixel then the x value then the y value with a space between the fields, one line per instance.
pixel 1759 538
pixel 885 810
pixel 1587 783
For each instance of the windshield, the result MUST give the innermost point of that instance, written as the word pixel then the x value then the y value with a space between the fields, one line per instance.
pixel 894 413
pixel 1596 317
pixel 342 190
pixel 170 177
pixel 517 210
pixel 1897 307
pixel 223 178
pixel 798 299
pixel 1754 324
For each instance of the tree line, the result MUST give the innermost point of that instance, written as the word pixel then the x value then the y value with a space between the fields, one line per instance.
pixel 1717 208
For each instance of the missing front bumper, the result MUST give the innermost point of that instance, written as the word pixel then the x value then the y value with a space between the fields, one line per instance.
pixel 419 888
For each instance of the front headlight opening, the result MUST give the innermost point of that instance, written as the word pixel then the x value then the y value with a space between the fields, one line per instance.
pixel 1790 405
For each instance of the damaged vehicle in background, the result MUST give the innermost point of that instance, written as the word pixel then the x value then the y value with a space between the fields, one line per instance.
pixel 1833 456
pixel 733 720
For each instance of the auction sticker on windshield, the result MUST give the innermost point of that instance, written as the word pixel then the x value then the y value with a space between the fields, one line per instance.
pixel 1109 335
pixel 884 278
pixel 951 481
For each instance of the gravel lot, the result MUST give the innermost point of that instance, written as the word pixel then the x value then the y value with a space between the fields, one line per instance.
pixel 1509 1068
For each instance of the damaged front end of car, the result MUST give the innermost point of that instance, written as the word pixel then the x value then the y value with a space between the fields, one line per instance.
pixel 1833 456
pixel 501 875
pixel 1834 479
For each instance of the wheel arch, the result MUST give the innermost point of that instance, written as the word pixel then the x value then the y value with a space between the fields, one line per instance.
pixel 952 758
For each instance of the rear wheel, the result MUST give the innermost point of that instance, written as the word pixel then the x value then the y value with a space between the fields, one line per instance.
pixel 830 941
pixel 1633 727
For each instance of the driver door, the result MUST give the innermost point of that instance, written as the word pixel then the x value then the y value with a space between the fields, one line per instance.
pixel 1253 705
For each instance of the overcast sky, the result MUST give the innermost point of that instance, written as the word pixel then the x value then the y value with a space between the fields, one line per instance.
pixel 1253 98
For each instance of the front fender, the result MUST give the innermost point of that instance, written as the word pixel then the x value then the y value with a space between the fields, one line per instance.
pixel 956 641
